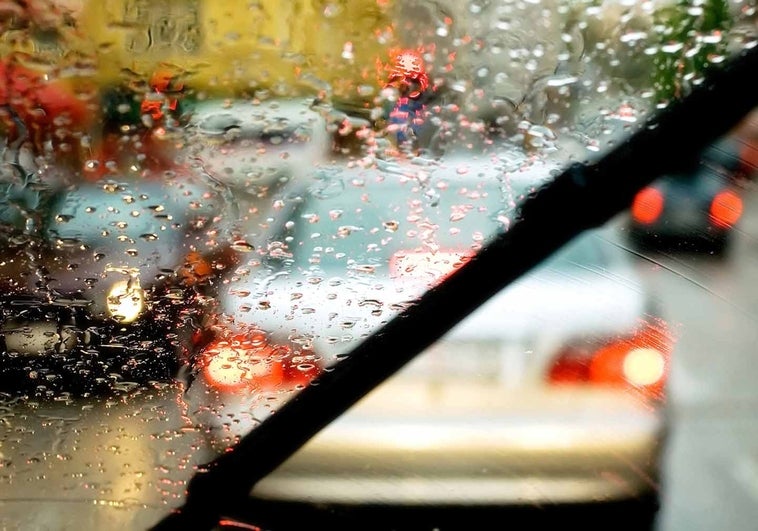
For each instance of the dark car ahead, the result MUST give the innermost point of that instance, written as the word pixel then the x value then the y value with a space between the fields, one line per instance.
pixel 97 297
pixel 695 210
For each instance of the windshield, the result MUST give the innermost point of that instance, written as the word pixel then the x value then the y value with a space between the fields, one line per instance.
pixel 418 254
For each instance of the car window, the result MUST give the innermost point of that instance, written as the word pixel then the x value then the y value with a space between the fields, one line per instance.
pixel 223 225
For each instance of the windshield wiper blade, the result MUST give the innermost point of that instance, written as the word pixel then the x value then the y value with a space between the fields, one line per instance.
pixel 580 198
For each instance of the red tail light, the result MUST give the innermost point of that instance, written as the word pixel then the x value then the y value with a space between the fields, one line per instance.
pixel 247 362
pixel 201 268
pixel 639 361
pixel 647 205
pixel 726 209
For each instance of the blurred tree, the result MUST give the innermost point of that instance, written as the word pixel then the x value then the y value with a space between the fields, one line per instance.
pixel 691 37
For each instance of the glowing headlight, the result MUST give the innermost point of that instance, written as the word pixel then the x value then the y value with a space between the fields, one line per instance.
pixel 126 301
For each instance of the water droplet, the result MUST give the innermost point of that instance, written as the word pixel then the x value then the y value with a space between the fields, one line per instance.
pixel 174 294
pixel 364 268
pixel 239 292
pixel 391 226
pixel 672 47
pixel 243 246
pixel 149 237
pixel 345 231
pixel 365 90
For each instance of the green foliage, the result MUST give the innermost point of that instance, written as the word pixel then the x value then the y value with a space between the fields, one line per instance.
pixel 688 42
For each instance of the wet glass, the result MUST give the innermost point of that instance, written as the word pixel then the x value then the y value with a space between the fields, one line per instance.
pixel 204 206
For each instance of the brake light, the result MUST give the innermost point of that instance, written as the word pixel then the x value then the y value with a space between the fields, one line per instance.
pixel 247 362
pixel 201 268
pixel 434 267
pixel 639 361
pixel 647 205
pixel 195 269
pixel 726 209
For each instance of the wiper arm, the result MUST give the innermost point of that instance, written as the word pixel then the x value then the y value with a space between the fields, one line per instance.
pixel 580 198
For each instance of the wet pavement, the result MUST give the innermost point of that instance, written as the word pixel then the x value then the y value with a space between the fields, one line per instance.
pixel 710 465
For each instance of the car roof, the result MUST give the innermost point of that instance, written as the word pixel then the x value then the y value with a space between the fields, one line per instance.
pixel 252 117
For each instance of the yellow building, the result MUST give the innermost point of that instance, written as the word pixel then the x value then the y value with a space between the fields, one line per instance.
pixel 237 47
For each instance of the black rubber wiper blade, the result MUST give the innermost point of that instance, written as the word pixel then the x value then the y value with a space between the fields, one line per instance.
pixel 580 198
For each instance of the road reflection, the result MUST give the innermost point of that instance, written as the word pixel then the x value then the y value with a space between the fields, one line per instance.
pixel 81 464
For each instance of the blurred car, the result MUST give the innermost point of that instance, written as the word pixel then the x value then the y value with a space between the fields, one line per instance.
pixel 98 286
pixel 697 210
pixel 253 144
pixel 551 392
